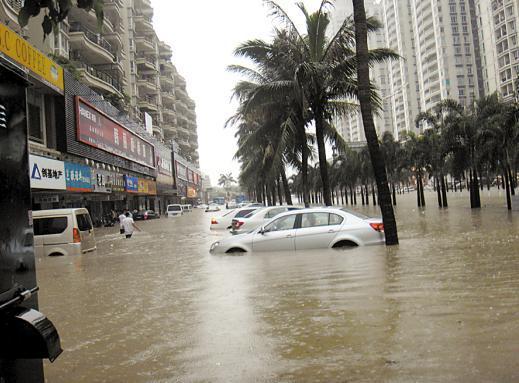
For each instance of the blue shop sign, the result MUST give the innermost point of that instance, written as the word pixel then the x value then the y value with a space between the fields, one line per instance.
pixel 131 184
pixel 78 177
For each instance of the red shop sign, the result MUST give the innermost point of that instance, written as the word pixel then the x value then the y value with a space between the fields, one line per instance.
pixel 96 129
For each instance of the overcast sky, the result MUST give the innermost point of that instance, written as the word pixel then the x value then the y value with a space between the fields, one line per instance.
pixel 203 35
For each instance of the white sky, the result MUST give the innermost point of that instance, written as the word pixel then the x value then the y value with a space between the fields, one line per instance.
pixel 203 35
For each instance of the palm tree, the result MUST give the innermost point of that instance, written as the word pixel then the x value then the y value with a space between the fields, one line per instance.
pixel 365 99
pixel 326 74
pixel 226 180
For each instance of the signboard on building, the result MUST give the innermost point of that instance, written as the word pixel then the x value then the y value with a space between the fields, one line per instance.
pixel 181 171
pixel 117 182
pixel 96 129
pixel 78 177
pixel 31 59
pixel 102 181
pixel 148 187
pixel 131 184
pixel 191 192
pixel 46 173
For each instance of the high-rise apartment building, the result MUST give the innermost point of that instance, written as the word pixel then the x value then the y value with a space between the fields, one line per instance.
pixel 124 61
pixel 351 127
pixel 497 25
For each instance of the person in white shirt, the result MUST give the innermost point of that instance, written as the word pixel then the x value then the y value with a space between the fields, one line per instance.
pixel 129 225
pixel 121 219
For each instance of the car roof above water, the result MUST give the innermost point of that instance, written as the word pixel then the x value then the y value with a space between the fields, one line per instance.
pixel 52 212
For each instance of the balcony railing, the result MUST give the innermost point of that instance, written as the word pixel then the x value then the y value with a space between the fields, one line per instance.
pixel 148 59
pixel 100 74
pixel 15 4
pixel 93 37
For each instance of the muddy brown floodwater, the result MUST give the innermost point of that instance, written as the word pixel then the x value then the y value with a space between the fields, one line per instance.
pixel 443 306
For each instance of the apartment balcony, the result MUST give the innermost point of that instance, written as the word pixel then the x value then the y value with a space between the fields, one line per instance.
pixel 147 85
pixel 157 131
pixel 168 99
pixel 167 81
pixel 145 44
pixel 165 51
pixel 146 64
pixel 93 47
pixel 170 119
pixel 148 104
pixel 144 6
pixel 100 80
pixel 168 113
pixel 167 68
pixel 143 23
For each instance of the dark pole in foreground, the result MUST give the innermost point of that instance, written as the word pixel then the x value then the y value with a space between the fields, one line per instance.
pixel 377 161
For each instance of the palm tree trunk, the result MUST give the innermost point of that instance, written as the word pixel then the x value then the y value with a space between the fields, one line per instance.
pixel 304 171
pixel 444 191
pixel 394 194
pixel 373 194
pixel 507 188
pixel 418 198
pixel 362 194
pixel 438 191
pixel 477 195
pixel 367 194
pixel 364 95
pixel 280 195
pixel 286 188
pixel 323 164
pixel 511 180
pixel 422 195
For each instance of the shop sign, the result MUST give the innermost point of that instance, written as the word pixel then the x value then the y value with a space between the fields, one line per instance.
pixel 96 129
pixel 148 187
pixel 117 182
pixel 102 181
pixel 164 165
pixel 46 173
pixel 191 192
pixel 46 199
pixel 78 177
pixel 131 184
pixel 181 171
pixel 31 59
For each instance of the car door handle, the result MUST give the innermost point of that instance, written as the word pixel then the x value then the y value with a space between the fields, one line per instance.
pixel 331 231
pixel 288 236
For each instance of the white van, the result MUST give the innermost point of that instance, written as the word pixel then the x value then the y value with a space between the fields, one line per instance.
pixel 187 208
pixel 63 232
pixel 174 210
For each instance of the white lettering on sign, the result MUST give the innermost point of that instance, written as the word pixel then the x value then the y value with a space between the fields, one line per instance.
pixel 87 114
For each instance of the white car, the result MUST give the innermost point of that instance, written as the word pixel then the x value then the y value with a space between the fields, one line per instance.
pixel 303 229
pixel 257 218
pixel 224 222
pixel 174 210
pixel 212 207
pixel 201 206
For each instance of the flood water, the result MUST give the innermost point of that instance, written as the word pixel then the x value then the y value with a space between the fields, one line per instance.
pixel 443 306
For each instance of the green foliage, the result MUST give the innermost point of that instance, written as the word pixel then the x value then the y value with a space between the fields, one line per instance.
pixel 56 11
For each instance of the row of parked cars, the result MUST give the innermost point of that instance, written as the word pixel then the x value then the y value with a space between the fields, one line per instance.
pixel 274 228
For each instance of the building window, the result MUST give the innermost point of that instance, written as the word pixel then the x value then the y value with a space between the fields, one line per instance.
pixel 36 116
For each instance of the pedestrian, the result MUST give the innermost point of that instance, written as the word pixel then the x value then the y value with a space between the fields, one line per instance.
pixel 129 225
pixel 121 219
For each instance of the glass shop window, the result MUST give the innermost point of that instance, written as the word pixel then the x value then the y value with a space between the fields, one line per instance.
pixel 36 116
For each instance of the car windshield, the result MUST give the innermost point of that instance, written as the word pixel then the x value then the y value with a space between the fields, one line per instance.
pixel 174 208
pixel 355 213
pixel 254 212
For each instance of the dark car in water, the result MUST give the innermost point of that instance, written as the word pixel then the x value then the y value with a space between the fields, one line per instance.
pixel 142 215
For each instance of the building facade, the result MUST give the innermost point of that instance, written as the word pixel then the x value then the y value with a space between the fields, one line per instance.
pixel 86 148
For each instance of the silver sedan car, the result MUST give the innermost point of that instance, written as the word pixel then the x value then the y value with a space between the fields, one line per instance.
pixel 317 228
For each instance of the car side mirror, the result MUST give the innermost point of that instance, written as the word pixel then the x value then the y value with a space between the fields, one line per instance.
pixel 262 231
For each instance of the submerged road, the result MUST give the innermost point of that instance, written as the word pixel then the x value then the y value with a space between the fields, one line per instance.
pixel 443 306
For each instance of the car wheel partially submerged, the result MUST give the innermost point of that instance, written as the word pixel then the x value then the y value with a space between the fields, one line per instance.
pixel 345 245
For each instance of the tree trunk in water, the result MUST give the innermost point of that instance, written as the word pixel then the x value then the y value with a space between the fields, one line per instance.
pixel 364 96
pixel 286 188
pixel 418 198
pixel 476 189
pixel 507 188
pixel 444 191
pixel 323 164
pixel 422 195
pixel 362 194
pixel 304 171
pixel 346 196
pixel 280 194
pixel 511 180
pixel 394 194
pixel 355 195
pixel 373 194
pixel 438 191
pixel 273 193
pixel 366 190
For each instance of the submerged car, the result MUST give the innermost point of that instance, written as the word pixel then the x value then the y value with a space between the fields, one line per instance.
pixel 145 215
pixel 212 207
pixel 257 217
pixel 317 228
pixel 224 222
